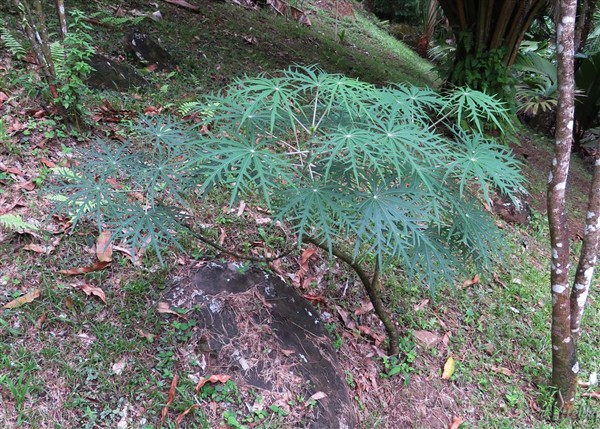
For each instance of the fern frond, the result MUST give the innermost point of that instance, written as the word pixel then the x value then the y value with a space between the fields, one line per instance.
pixel 14 222
pixel 11 43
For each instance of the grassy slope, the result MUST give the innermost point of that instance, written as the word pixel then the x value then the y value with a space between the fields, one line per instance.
pixel 58 354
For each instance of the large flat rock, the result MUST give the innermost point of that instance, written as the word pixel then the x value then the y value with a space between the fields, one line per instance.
pixel 261 331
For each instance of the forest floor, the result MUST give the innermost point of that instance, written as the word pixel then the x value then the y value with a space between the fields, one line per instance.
pixel 91 351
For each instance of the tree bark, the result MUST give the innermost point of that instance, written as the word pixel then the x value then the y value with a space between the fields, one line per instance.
pixel 568 303
pixel 62 18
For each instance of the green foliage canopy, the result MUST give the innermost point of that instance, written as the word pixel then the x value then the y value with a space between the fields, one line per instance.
pixel 395 172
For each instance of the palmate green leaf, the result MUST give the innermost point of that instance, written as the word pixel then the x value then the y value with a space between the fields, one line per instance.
pixel 390 220
pixel 326 90
pixel 476 107
pixel 432 262
pixel 317 210
pixel 466 236
pixel 262 94
pixel 407 104
pixel 488 164
pixel 163 136
pixel 141 227
pixel 242 162
pixel 411 149
pixel 357 151
pixel 85 197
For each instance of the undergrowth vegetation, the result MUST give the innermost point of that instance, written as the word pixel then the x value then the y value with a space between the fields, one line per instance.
pixel 338 162
pixel 394 176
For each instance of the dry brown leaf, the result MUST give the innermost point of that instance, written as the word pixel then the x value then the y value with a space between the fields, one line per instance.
pixel 426 338
pixel 300 16
pixel 217 378
pixel 165 308
pixel 170 397
pixel 306 256
pixel 181 416
pixel 287 352
pixel 183 3
pixel 456 422
pixel 315 397
pixel 446 338
pixel 23 299
pixel 119 366
pixel 27 185
pixel 348 322
pixel 38 249
pixel 262 299
pixel 104 247
pixel 146 335
pixel 41 320
pixel 470 282
pixel 378 338
pixel 241 208
pixel 69 302
pixel 48 163
pixel 594 395
pixel 11 170
pixel 96 266
pixel 502 370
pixel 421 305
pixel 365 307
pixel 90 290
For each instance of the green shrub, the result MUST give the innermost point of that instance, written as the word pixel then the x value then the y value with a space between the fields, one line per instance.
pixel 345 163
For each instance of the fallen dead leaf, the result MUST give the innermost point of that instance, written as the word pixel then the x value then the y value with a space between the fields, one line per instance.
pixel 96 266
pixel 594 395
pixel 41 320
pixel 470 282
pixel 181 416
pixel 449 368
pixel 104 247
pixel 287 352
pixel 348 322
pixel 23 299
pixel 165 308
pixel 502 370
pixel 119 366
pixel 315 397
pixel 48 163
pixel 262 299
pixel 146 335
pixel 456 422
pixel 217 378
pixel 365 307
pixel 90 290
pixel 26 185
pixel 11 170
pixel 38 249
pixel 183 3
pixel 426 338
pixel 170 397
pixel 421 305
pixel 378 338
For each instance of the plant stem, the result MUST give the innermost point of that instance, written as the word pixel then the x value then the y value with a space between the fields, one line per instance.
pixel 372 286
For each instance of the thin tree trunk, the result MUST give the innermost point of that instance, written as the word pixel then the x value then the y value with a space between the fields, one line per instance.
pixel 62 18
pixel 564 359
pixel 373 287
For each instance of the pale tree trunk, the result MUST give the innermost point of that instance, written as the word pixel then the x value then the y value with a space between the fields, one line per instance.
pixel 62 18
pixel 568 302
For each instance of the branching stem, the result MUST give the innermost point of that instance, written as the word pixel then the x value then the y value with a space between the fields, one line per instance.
pixel 372 286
